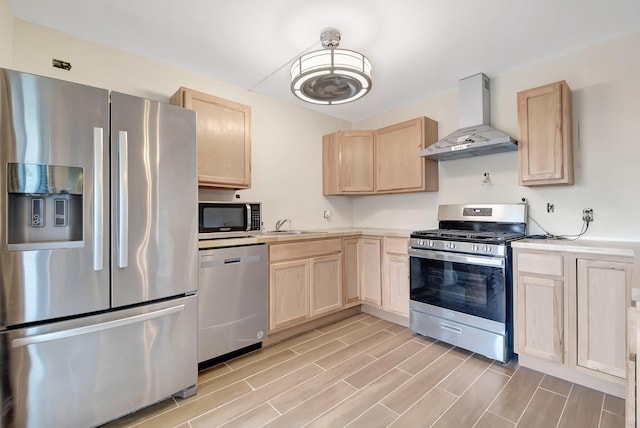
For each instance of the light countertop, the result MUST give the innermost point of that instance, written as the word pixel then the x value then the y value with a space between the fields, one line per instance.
pixel 309 234
pixel 611 248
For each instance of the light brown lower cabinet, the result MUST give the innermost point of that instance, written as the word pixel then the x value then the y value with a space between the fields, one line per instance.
pixel 326 285
pixel 376 272
pixel 603 296
pixel 305 281
pixel 313 278
pixel 369 270
pixel 351 284
pixel 633 345
pixel 395 282
pixel 570 314
pixel 540 317
pixel 288 293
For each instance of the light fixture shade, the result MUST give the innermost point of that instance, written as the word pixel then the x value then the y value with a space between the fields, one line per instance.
pixel 331 76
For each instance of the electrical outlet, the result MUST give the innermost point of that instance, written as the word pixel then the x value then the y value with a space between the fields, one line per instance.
pixel 587 215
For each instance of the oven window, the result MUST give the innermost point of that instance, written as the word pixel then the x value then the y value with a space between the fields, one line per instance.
pixel 467 288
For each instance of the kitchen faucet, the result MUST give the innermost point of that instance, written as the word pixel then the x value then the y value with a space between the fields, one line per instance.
pixel 281 223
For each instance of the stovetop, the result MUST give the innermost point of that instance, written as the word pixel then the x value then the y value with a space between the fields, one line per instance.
pixel 473 229
pixel 494 237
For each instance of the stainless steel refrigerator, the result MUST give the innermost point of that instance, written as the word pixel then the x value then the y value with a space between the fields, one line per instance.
pixel 98 252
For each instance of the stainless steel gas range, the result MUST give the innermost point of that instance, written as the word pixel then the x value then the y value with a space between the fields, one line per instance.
pixel 460 276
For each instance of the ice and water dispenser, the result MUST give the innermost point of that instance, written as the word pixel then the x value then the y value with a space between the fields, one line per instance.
pixel 44 206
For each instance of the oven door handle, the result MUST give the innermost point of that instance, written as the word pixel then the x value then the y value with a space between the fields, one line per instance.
pixel 457 258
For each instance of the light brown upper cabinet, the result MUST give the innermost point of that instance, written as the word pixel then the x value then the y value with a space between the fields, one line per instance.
pixel 546 135
pixel 224 139
pixel 348 162
pixel 383 161
pixel 399 167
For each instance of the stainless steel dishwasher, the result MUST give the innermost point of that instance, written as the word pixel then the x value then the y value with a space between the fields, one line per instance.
pixel 233 299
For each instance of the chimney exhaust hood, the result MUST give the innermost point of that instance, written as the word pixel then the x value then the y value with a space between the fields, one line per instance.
pixel 475 137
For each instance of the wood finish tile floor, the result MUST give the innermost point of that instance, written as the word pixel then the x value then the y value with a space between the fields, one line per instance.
pixel 367 372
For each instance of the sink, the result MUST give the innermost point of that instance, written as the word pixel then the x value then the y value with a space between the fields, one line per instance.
pixel 288 232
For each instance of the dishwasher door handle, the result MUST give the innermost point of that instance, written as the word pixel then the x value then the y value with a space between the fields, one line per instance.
pixel 206 262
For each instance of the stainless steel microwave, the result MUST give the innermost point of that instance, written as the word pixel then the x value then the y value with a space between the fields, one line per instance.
pixel 229 219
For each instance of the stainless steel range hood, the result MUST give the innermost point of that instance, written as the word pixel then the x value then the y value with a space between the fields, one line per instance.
pixel 476 137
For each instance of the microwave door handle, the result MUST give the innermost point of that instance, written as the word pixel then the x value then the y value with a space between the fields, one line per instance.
pixel 98 199
pixel 123 200
pixel 248 217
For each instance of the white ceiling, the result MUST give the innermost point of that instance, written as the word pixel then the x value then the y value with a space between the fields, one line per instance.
pixel 417 47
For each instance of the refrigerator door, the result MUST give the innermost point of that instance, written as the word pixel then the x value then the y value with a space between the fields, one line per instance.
pixel 87 371
pixel 154 200
pixel 54 203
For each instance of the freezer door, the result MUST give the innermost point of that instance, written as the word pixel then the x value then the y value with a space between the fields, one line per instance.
pixel 154 200
pixel 88 371
pixel 54 203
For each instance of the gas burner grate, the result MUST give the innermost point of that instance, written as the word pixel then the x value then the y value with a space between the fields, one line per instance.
pixel 467 235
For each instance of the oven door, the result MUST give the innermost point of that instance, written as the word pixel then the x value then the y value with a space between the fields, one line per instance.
pixel 459 283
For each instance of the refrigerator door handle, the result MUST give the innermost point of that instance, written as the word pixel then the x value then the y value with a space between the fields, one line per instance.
pixel 98 199
pixel 64 334
pixel 123 200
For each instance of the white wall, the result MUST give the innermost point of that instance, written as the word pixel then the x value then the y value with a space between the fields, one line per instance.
pixel 605 80
pixel 286 139
pixel 6 33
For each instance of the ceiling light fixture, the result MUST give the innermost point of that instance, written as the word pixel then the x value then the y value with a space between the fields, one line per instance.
pixel 331 76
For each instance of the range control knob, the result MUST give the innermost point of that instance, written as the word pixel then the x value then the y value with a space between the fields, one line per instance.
pixel 421 242
pixel 475 248
pixel 432 243
pixel 487 249
pixel 451 245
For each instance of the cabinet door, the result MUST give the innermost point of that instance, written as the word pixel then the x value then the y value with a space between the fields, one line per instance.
pixel 539 321
pixel 331 164
pixel 399 165
pixel 326 284
pixel 546 135
pixel 224 139
pixel 288 293
pixel 369 272
pixel 602 300
pixel 350 277
pixel 348 163
pixel 357 160
pixel 395 286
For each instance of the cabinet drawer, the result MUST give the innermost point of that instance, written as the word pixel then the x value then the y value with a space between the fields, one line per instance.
pixel 396 245
pixel 304 249
pixel 540 263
